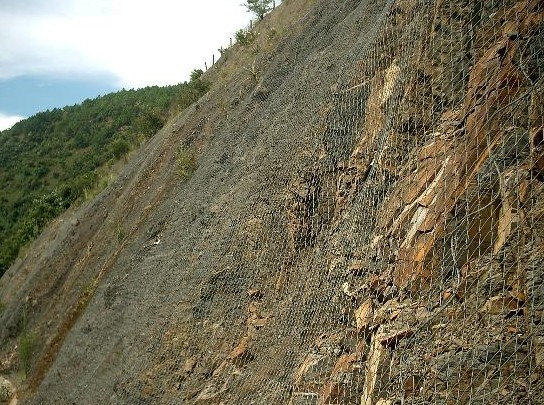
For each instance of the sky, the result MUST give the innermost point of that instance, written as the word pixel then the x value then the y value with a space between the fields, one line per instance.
pixel 55 53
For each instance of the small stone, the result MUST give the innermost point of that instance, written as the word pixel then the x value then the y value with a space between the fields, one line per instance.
pixel 512 329
pixel 189 365
pixel 253 308
pixel 391 339
pixel 240 353
pixel 499 304
pixel 364 314
pixel 446 295
pixel 422 314
pixel 511 30
pixel 518 295
pixel 539 351
pixel 412 385
pixel 258 322
pixel 357 267
pixel 450 312
pixel 75 222
pixel 7 391
pixel 394 315
pixel 346 289
pixel 255 294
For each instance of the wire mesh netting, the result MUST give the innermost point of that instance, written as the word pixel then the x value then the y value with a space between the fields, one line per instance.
pixel 365 224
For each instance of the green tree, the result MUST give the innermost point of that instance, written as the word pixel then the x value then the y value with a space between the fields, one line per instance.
pixel 259 7
pixel 120 148
pixel 196 74
pixel 244 37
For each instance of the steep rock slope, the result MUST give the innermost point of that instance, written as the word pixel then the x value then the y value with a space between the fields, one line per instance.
pixel 364 225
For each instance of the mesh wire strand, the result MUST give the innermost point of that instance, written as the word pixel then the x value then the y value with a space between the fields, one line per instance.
pixel 458 329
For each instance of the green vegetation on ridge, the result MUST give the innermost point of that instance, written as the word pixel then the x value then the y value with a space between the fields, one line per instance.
pixel 259 7
pixel 54 158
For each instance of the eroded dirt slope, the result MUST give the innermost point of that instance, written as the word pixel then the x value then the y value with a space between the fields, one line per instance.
pixel 364 226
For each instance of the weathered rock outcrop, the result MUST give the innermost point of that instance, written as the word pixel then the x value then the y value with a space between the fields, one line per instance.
pixel 7 392
pixel 365 225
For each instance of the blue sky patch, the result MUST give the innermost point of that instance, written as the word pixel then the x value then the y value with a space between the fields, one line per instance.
pixel 28 95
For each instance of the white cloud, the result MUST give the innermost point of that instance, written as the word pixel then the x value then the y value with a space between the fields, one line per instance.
pixel 140 42
pixel 7 121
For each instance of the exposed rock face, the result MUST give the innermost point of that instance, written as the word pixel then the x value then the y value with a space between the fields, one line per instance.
pixel 7 391
pixel 365 225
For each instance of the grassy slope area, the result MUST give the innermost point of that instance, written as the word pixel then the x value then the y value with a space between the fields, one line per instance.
pixel 55 158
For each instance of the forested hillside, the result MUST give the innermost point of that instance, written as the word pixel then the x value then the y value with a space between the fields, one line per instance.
pixel 55 158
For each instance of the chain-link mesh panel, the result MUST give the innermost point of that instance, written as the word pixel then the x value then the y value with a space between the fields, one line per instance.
pixel 365 224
